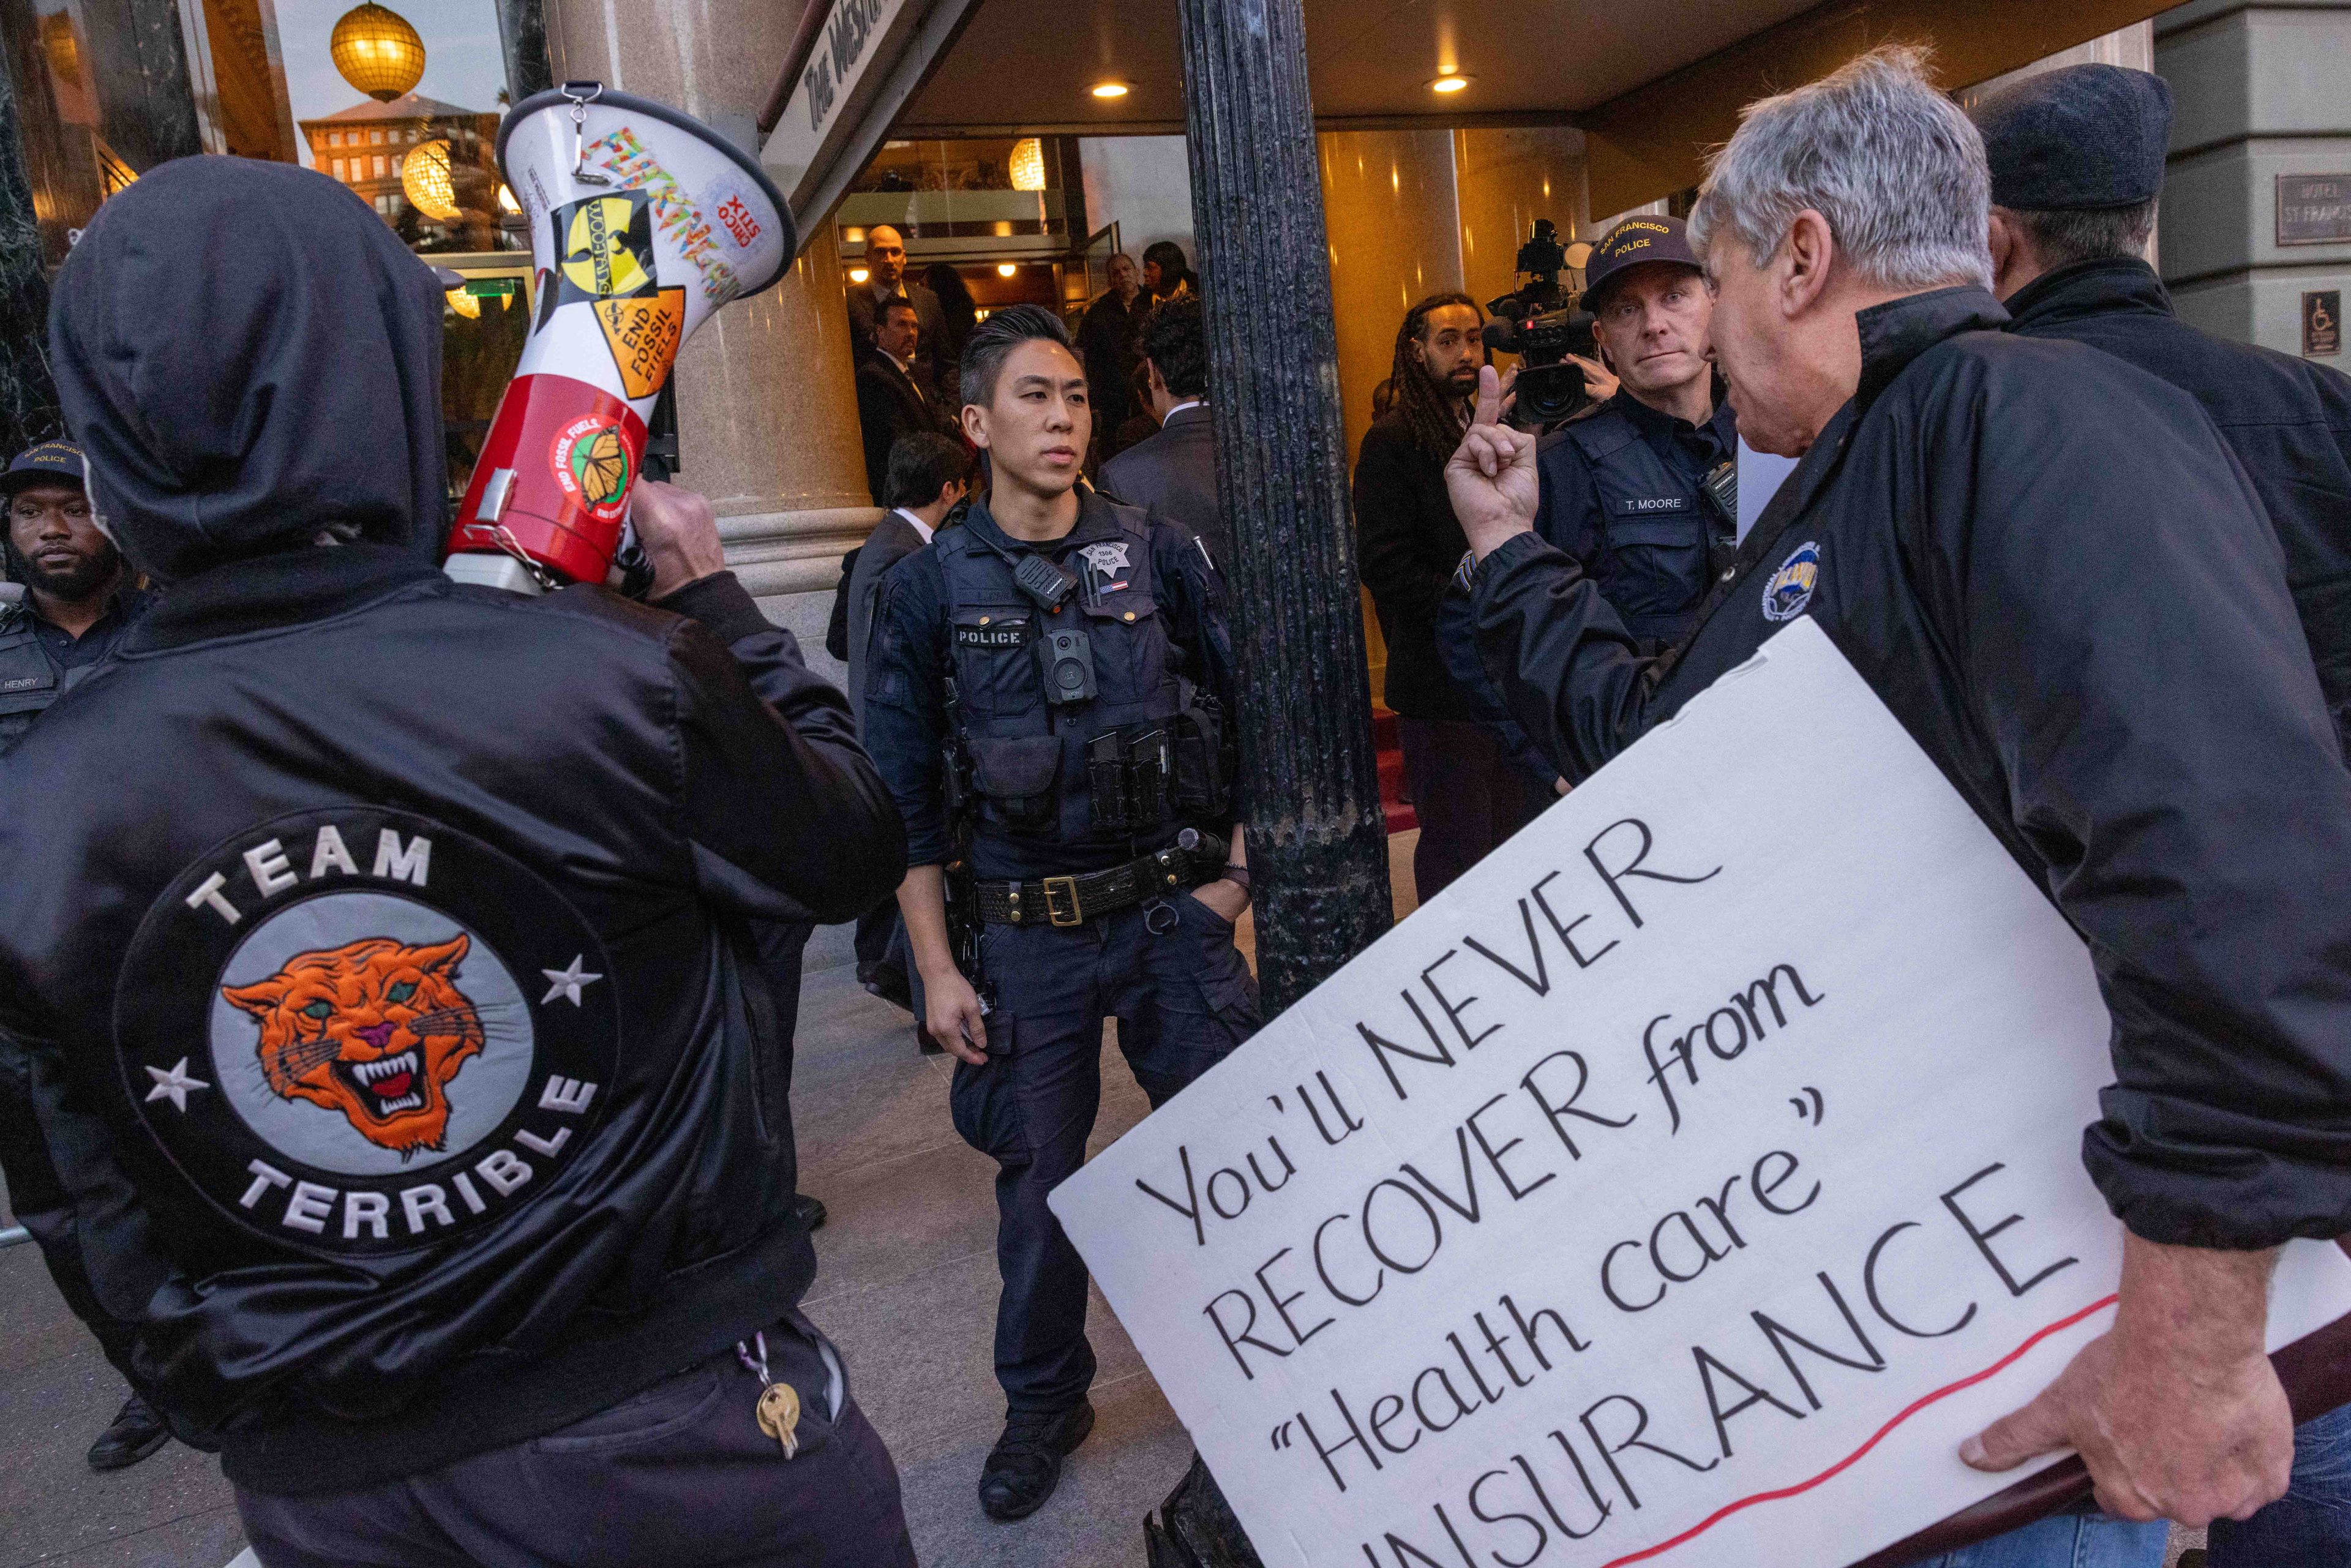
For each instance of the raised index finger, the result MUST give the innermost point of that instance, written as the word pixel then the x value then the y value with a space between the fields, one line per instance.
pixel 1490 397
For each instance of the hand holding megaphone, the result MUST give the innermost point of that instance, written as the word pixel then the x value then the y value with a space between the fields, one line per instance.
pixel 642 221
pixel 679 533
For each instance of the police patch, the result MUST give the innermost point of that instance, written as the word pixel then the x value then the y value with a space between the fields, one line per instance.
pixel 359 1031
pixel 992 632
pixel 1790 588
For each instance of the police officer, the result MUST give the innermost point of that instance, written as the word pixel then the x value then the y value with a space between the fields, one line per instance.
pixel 2053 573
pixel 1046 693
pixel 1638 490
pixel 78 599
pixel 2076 158
pixel 76 606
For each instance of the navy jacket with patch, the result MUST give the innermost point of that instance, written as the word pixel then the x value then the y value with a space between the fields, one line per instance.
pixel 2057 576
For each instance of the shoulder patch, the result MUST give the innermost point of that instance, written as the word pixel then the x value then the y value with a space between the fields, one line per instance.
pixel 1790 588
pixel 359 1032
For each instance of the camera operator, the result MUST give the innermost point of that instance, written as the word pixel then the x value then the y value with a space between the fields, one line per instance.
pixel 390 1009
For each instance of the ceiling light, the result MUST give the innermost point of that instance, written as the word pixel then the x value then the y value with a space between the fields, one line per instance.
pixel 1005 269
pixel 1448 84
pixel 858 275
pixel 1110 89
pixel 1028 164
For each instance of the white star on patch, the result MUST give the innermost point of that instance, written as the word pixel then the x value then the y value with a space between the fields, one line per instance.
pixel 567 982
pixel 175 1085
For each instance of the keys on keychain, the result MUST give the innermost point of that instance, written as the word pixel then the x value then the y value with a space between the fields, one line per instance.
pixel 780 1415
pixel 779 1409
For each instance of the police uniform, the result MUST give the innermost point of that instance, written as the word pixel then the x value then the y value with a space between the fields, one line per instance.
pixel 1074 807
pixel 2093 137
pixel 1624 488
pixel 40 661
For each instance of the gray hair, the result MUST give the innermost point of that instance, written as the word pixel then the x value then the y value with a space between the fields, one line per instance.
pixel 2062 236
pixel 1894 165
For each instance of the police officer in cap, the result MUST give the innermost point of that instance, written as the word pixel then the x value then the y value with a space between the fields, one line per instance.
pixel 76 606
pixel 78 599
pixel 2076 157
pixel 1641 490
pixel 1046 694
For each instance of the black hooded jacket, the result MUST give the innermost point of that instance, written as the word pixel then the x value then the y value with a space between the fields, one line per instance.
pixel 376 941
pixel 2287 420
pixel 2057 577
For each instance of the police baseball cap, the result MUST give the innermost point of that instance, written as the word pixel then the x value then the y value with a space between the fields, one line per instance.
pixel 47 463
pixel 1635 243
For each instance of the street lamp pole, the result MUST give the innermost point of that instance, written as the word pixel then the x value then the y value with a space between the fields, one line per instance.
pixel 1317 837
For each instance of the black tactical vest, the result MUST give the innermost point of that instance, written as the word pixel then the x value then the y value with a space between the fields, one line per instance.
pixel 1656 533
pixel 29 682
pixel 1038 769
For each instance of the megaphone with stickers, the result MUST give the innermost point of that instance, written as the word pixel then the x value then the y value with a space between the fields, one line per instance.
pixel 642 223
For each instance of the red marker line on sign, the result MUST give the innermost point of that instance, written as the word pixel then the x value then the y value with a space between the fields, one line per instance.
pixel 1727 1510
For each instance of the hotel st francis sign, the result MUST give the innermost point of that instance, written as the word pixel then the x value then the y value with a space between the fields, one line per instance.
pixel 1682 1185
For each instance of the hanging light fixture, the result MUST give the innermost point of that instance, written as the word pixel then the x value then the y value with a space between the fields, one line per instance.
pixel 377 51
pixel 425 177
pixel 1028 165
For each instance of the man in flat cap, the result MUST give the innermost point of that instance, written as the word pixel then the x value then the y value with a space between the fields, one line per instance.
pixel 2076 157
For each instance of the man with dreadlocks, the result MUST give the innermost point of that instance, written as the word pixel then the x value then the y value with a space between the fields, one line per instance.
pixel 1468 795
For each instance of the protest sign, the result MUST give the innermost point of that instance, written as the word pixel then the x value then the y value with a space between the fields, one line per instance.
pixel 1682 1185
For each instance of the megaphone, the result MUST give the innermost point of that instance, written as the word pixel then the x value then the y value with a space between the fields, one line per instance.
pixel 642 221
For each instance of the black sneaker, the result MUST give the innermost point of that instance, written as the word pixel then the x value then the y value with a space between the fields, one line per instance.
pixel 137 1431
pixel 1025 1466
pixel 809 1211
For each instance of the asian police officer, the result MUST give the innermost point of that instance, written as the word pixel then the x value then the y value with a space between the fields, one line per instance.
pixel 1046 694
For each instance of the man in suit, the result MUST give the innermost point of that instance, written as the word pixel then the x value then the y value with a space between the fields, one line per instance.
pixel 927 474
pixel 889 402
pixel 885 279
pixel 1174 474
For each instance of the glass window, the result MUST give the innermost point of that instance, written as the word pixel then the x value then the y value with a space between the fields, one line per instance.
pixel 338 168
pixel 376 138
pixel 334 139
pixel 395 164
pixel 379 166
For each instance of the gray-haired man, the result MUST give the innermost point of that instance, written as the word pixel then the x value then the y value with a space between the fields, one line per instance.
pixel 2051 571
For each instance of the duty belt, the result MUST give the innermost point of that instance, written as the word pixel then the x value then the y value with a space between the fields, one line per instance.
pixel 1074 900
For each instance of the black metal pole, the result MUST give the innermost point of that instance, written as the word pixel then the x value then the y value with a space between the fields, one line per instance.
pixel 1317 839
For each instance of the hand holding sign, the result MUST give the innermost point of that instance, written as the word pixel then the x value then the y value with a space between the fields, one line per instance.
pixel 1685 1183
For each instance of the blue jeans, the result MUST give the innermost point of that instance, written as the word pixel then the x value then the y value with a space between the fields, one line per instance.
pixel 2312 1523
pixel 2068 1541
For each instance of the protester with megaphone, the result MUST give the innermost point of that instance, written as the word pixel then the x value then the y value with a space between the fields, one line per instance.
pixel 390 1010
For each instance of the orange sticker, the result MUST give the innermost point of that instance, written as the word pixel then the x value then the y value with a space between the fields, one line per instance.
pixel 643 335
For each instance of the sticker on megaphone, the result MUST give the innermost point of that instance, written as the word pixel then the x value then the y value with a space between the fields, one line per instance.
pixel 642 221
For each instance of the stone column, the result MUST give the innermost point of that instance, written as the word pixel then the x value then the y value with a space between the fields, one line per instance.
pixel 767 395
pixel 2253 246
pixel 1317 843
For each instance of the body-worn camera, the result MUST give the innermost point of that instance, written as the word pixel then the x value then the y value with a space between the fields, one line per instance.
pixel 1543 322
pixel 1069 660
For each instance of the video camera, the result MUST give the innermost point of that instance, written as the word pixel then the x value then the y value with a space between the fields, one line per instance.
pixel 1542 323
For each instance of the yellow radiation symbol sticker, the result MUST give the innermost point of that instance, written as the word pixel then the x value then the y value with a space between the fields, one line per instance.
pixel 608 246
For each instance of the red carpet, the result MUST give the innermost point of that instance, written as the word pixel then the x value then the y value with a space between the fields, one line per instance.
pixel 1400 814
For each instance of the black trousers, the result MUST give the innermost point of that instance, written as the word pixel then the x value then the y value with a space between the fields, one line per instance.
pixel 1183 998
pixel 679 1475
pixel 37 1196
pixel 1467 793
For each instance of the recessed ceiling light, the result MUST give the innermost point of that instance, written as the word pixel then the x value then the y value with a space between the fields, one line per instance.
pixel 1005 269
pixel 858 275
pixel 1110 89
pixel 1448 84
